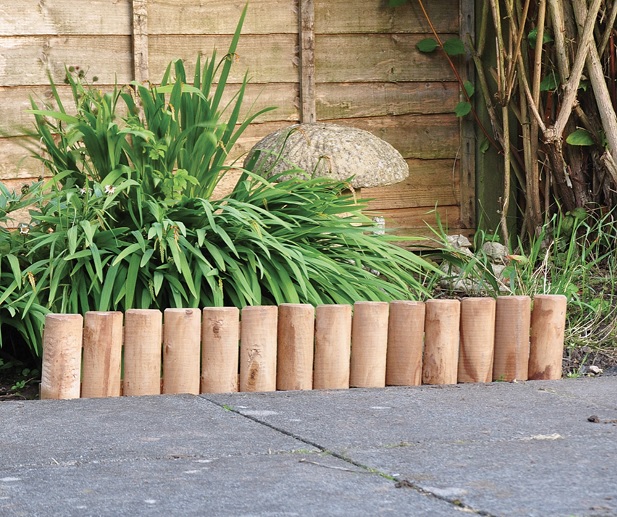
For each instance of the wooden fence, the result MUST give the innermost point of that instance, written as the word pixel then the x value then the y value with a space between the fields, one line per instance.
pixel 352 63
pixel 299 347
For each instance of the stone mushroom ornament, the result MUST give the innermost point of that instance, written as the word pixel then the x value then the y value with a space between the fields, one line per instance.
pixel 328 150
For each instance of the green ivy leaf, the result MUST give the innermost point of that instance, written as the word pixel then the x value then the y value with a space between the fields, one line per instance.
pixel 549 83
pixel 427 45
pixel 462 109
pixel 454 47
pixel 580 137
pixel 532 37
pixel 469 88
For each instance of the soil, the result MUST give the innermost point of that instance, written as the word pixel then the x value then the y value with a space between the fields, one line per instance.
pixel 577 361
pixel 19 380
pixel 7 392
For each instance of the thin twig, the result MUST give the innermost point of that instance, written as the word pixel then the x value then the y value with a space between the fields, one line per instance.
pixel 344 469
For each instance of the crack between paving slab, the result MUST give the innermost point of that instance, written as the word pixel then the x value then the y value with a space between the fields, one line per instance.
pixel 398 482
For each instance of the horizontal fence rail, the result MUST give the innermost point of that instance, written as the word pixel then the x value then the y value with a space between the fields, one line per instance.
pixel 301 347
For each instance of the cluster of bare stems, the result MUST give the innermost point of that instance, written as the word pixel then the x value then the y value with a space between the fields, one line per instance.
pixel 529 125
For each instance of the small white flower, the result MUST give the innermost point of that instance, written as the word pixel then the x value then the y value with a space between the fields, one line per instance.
pixel 83 191
pixel 109 189
pixel 24 229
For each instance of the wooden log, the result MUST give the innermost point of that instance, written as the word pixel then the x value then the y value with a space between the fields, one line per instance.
pixel 220 350
pixel 405 343
pixel 61 371
pixel 258 344
pixel 548 323
pixel 512 322
pixel 369 344
pixel 441 342
pixel 102 360
pixel 142 352
pixel 475 360
pixel 181 351
pixel 332 347
pixel 296 336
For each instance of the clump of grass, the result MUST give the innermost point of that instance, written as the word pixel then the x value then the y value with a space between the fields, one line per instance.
pixel 573 255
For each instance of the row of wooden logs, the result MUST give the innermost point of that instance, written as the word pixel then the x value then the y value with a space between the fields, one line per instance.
pixel 299 347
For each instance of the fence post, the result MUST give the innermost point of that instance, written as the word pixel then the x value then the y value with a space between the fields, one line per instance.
pixel 220 350
pixel 369 343
pixel 62 340
pixel 181 351
pixel 512 324
pixel 475 360
pixel 142 352
pixel 258 344
pixel 405 343
pixel 548 322
pixel 441 342
pixel 332 347
pixel 102 361
pixel 296 335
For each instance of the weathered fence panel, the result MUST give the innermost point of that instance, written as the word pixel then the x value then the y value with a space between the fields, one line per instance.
pixel 313 59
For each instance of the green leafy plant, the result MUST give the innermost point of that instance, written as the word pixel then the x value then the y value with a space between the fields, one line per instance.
pixel 128 218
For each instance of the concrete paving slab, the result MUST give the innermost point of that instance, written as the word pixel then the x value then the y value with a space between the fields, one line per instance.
pixel 599 391
pixel 78 431
pixel 360 418
pixel 540 476
pixel 281 484
pixel 498 449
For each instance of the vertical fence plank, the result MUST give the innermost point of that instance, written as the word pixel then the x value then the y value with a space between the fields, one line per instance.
pixel 468 125
pixel 332 347
pixel 369 344
pixel 258 342
pixel 512 323
pixel 306 19
pixel 475 360
pixel 405 343
pixel 220 350
pixel 140 41
pixel 296 336
pixel 441 342
pixel 142 352
pixel 102 360
pixel 548 322
pixel 181 351
pixel 62 340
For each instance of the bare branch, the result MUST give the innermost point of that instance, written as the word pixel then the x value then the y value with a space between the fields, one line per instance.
pixel 559 31
pixel 600 90
pixel 609 28
pixel 571 86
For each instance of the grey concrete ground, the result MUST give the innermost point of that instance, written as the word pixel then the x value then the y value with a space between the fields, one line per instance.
pixel 496 449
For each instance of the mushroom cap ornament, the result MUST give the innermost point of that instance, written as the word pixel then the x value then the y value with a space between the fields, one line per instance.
pixel 328 150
